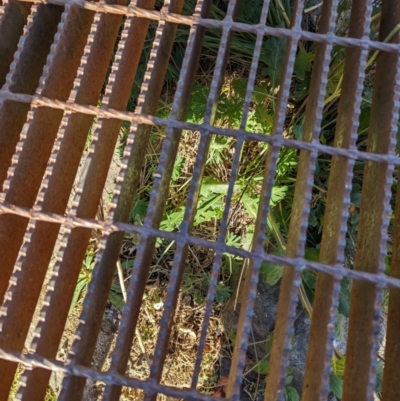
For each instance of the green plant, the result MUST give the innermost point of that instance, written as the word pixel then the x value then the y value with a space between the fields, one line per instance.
pixel 85 275
pixel 84 279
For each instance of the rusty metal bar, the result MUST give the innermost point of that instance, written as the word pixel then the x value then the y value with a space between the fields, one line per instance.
pixel 158 196
pixel 372 234
pixel 110 113
pixel 12 23
pixel 53 103
pixel 26 171
pixel 216 267
pixel 338 198
pixel 53 197
pixel 35 361
pixel 117 95
pixel 180 256
pixel 120 207
pixel 23 77
pixel 253 268
pixel 391 377
pixel 74 222
pixel 291 280
pixel 236 26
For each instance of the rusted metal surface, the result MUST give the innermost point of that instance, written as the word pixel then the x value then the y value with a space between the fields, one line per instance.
pixel 23 75
pixel 25 175
pixel 12 23
pixel 338 201
pixel 291 279
pixel 53 197
pixel 366 298
pixel 47 105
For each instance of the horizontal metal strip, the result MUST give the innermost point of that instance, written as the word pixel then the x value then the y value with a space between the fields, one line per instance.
pixel 235 26
pixel 109 227
pixel 36 361
pixel 42 101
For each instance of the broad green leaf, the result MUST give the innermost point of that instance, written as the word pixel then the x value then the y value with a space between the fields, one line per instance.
pixel 82 283
pixel 312 218
pixel 116 300
pixel 264 117
pixel 298 132
pixel 355 195
pixel 260 93
pixel 379 377
pixel 239 87
pixel 310 279
pixel 289 380
pixel 262 367
pixel 176 172
pixel 208 215
pixel 271 272
pixel 336 384
pixel 278 193
pixel 223 293
pixel 127 264
pixel 139 209
pixel 291 394
pixel 213 202
pixel 211 185
pixel 198 104
pixel 337 67
pixel 172 221
pixel 250 205
pixel 89 261
pixel 312 254
pixel 303 64
pixel 268 343
pixel 344 303
pixel 338 366
pixel 344 300
pixel 276 52
pixel 340 327
pixel 364 120
pixel 248 238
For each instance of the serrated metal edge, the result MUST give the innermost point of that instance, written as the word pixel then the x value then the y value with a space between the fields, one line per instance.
pixel 15 276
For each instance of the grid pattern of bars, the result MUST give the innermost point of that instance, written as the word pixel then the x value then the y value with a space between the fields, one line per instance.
pixel 53 61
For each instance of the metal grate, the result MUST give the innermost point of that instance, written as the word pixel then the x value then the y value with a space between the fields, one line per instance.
pixel 54 57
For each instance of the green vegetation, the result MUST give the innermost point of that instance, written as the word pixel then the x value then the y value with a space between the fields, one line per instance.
pixel 247 190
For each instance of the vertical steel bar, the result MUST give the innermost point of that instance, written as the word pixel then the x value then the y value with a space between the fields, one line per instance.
pixel 161 184
pixel 104 138
pixel 53 197
pixel 232 179
pixel 86 202
pixel 120 207
pixel 338 200
pixel 28 166
pixel 179 260
pixel 23 77
pixel 300 211
pixel 252 271
pixel 391 377
pixel 38 134
pixel 12 23
pixel 372 232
